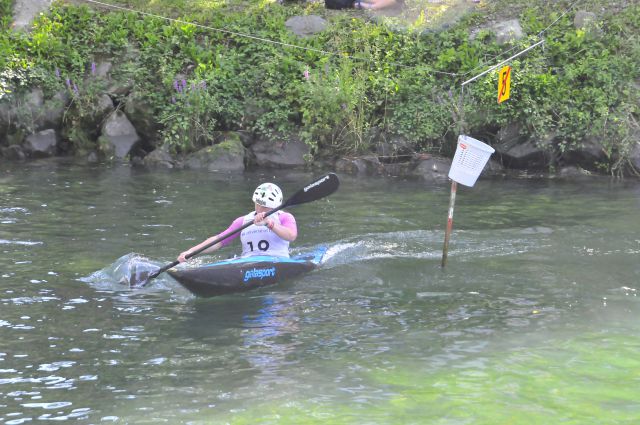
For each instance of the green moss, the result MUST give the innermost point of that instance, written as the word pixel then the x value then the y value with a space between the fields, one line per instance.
pixel 224 148
pixel 105 148
pixel 231 144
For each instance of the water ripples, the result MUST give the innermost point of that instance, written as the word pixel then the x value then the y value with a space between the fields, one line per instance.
pixel 428 245
pixel 535 296
pixel 23 243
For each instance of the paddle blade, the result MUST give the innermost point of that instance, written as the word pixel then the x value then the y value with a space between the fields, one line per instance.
pixel 324 186
pixel 141 283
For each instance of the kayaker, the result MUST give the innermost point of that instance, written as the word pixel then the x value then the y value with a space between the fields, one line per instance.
pixel 267 236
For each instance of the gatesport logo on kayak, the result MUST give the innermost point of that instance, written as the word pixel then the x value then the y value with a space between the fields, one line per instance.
pixel 259 273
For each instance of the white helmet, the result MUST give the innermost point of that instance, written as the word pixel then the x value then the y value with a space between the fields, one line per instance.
pixel 268 195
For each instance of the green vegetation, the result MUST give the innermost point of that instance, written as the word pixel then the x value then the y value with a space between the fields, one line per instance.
pixel 5 13
pixel 359 76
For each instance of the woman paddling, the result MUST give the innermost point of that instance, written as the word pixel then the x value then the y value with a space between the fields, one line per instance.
pixel 267 236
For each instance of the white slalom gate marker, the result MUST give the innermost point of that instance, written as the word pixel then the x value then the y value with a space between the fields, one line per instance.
pixel 468 162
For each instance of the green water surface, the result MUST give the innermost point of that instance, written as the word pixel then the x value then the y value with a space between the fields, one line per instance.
pixel 534 320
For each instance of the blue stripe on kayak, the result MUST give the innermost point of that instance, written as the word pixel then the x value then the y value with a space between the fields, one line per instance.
pixel 313 256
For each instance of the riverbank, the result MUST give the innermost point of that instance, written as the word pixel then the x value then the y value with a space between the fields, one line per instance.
pixel 433 173
pixel 358 93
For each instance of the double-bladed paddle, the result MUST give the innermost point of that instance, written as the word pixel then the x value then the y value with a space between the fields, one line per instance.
pixel 320 188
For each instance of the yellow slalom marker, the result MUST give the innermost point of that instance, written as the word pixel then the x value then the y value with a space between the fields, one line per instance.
pixel 504 84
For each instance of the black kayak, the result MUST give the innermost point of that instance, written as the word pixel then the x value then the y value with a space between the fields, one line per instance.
pixel 243 274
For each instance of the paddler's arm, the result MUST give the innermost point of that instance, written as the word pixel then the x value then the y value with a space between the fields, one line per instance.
pixel 237 223
pixel 287 229
pixel 182 257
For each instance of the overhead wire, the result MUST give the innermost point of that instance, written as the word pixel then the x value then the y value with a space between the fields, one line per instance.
pixel 321 51
pixel 539 36
pixel 253 37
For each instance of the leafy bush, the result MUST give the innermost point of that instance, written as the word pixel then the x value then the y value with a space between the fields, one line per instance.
pixel 190 118
pixel 421 112
pixel 336 109
pixel 6 14
pixel 578 87
pixel 355 76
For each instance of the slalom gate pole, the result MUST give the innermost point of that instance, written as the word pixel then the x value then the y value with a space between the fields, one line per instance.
pixel 447 235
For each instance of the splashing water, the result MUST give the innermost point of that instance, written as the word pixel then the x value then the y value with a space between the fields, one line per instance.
pixel 125 272
pixel 422 244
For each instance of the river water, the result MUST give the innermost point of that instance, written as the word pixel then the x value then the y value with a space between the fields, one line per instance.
pixel 533 321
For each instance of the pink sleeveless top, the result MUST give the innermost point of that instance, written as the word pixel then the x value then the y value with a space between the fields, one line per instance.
pixel 259 240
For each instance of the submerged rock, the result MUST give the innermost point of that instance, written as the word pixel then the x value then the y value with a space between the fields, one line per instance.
pixel 525 155
pixel 41 144
pixel 13 152
pixel 366 165
pixel 271 154
pixel 142 117
pixel 159 158
pixel 433 169
pixel 227 156
pixel 634 157
pixel 118 136
pixel 588 154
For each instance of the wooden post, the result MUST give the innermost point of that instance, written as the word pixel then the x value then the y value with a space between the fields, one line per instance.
pixel 447 234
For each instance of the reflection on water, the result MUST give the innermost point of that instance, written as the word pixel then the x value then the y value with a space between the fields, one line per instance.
pixel 534 320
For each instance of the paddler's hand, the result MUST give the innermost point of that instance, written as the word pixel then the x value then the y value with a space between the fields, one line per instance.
pixel 182 257
pixel 259 219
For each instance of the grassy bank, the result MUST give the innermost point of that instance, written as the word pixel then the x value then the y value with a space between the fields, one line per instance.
pixel 363 75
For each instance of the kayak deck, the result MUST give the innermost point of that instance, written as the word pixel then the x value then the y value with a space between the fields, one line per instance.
pixel 244 274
